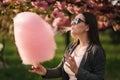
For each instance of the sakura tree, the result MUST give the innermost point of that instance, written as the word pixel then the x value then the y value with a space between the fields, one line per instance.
pixel 59 13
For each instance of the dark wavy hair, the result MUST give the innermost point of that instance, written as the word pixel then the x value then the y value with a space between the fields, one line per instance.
pixel 91 21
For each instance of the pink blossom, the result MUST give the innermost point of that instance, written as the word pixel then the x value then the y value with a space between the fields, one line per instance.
pixel 48 19
pixel 61 5
pixel 103 22
pixel 27 0
pixel 56 22
pixel 50 1
pixel 78 9
pixel 110 15
pixel 61 22
pixel 70 8
pixel 19 1
pixel 67 21
pixel 56 13
pixel 72 1
pixel 44 4
pixel 36 3
pixel 16 10
pixel 6 1
pixel 41 4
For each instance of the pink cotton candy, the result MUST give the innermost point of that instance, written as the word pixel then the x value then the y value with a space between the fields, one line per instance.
pixel 34 38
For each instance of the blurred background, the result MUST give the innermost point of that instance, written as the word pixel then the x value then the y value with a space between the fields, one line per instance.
pixel 53 11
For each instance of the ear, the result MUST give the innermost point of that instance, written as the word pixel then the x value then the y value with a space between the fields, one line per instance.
pixel 87 28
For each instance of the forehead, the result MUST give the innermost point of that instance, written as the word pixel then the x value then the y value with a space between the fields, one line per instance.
pixel 80 16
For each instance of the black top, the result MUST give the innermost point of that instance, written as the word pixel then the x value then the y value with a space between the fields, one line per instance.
pixel 92 66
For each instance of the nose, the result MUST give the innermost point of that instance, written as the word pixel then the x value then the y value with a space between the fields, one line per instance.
pixel 73 24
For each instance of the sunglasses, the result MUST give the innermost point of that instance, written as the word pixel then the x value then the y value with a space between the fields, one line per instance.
pixel 76 21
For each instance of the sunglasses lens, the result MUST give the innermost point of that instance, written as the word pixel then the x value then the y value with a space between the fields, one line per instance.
pixel 75 21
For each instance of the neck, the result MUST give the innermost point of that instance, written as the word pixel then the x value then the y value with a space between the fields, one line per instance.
pixel 83 40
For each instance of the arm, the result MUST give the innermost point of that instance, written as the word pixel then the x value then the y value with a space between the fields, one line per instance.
pixel 54 72
pixel 47 73
pixel 98 67
pixel 57 72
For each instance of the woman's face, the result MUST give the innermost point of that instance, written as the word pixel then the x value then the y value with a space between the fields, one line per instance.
pixel 78 25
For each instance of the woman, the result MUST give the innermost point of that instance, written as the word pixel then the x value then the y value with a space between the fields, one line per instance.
pixel 84 58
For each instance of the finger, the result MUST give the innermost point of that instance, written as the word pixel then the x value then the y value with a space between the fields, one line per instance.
pixel 32 71
pixel 33 67
pixel 70 62
pixel 37 66
pixel 72 58
pixel 69 67
pixel 66 58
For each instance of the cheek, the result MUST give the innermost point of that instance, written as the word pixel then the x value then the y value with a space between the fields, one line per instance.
pixel 80 28
pixel 76 30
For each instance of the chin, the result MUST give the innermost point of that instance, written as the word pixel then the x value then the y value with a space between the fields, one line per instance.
pixel 73 34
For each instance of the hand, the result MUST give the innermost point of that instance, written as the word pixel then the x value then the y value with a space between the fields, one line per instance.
pixel 40 69
pixel 72 64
